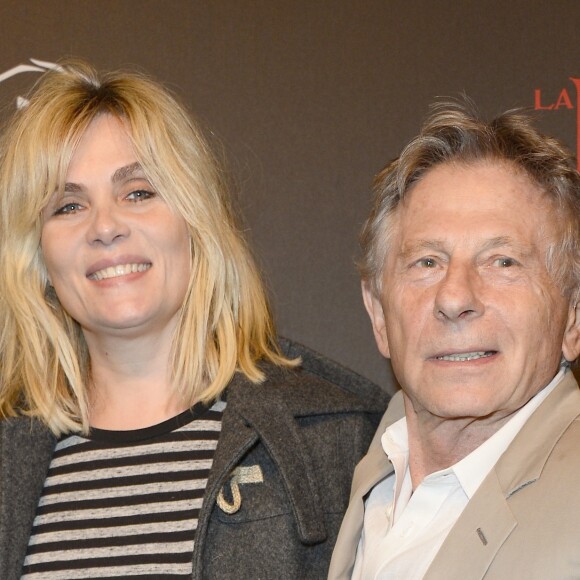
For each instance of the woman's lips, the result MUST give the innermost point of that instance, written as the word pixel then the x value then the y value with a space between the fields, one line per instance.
pixel 119 270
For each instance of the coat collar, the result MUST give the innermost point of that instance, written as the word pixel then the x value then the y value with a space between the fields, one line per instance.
pixel 267 412
pixel 270 409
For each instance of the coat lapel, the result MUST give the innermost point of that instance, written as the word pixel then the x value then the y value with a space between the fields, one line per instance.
pixel 236 438
pixel 267 413
pixel 25 451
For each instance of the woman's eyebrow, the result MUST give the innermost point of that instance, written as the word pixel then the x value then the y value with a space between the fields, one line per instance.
pixel 127 171
pixel 120 175
pixel 72 187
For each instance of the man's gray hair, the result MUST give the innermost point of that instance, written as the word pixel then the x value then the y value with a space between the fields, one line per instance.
pixel 454 133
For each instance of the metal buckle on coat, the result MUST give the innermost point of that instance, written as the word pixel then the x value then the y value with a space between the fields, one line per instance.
pixel 240 476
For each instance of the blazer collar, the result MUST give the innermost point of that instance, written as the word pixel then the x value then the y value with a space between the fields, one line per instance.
pixel 524 460
pixel 487 520
pixel 375 465
pixel 521 463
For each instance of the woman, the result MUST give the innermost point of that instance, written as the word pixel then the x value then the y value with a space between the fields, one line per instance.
pixel 152 426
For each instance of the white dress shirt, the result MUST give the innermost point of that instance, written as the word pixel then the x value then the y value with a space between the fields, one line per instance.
pixel 402 530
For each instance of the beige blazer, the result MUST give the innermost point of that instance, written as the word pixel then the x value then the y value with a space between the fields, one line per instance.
pixel 523 521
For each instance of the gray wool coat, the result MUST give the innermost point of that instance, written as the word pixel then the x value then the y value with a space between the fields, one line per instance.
pixel 305 429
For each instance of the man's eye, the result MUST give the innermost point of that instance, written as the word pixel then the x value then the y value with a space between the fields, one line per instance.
pixel 140 195
pixel 68 208
pixel 505 262
pixel 426 263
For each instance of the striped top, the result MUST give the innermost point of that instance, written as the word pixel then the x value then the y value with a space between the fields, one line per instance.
pixel 124 503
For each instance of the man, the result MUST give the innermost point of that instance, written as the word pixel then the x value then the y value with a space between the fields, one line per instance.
pixel 470 275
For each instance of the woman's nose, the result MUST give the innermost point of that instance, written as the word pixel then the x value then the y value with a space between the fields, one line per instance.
pixel 107 225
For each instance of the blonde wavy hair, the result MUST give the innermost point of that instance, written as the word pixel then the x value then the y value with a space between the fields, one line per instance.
pixel 225 323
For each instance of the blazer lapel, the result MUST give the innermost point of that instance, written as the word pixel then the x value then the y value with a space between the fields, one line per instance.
pixel 474 541
pixel 487 520
pixel 25 452
pixel 373 468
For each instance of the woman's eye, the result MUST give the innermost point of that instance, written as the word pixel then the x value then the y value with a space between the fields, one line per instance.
pixel 140 195
pixel 68 208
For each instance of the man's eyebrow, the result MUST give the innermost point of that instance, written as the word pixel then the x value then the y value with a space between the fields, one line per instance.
pixel 437 245
pixel 418 246
pixel 128 171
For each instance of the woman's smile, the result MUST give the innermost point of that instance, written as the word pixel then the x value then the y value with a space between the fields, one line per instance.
pixel 117 255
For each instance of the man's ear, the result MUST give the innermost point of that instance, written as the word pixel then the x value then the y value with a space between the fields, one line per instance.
pixel 377 316
pixel 571 342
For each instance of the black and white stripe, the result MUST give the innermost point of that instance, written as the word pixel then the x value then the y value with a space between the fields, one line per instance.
pixel 124 503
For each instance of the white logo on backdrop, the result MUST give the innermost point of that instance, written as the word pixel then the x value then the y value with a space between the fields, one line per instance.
pixel 36 66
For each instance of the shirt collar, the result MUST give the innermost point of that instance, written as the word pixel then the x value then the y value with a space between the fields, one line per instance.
pixel 473 468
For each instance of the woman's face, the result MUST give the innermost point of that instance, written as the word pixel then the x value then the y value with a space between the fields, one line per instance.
pixel 117 255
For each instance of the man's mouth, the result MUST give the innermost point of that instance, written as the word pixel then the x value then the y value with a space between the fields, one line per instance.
pixel 466 356
pixel 119 270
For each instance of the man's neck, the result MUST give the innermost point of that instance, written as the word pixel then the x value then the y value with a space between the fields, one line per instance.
pixel 436 443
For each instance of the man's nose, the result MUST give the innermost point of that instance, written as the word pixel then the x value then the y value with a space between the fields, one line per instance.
pixel 107 224
pixel 459 293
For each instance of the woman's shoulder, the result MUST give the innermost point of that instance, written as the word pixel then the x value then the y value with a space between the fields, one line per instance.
pixel 318 367
pixel 22 434
pixel 318 385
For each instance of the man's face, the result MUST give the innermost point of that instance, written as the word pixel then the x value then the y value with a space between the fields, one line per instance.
pixel 468 313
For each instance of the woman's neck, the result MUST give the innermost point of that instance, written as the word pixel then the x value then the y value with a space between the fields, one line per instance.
pixel 131 383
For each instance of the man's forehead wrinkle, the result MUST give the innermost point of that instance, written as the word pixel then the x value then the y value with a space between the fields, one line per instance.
pixel 499 242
